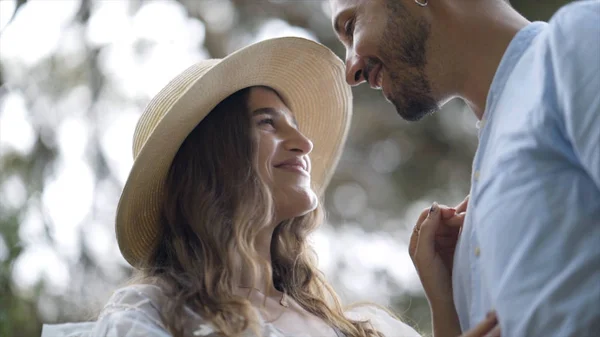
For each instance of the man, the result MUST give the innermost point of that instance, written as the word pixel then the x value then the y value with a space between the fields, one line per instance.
pixel 530 244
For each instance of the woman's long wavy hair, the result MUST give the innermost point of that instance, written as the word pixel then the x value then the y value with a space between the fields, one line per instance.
pixel 215 206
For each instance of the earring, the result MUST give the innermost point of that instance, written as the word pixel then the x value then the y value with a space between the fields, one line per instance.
pixel 422 4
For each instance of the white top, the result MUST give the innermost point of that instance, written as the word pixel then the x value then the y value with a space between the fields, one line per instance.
pixel 133 311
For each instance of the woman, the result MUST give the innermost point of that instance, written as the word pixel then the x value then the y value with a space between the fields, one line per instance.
pixel 217 208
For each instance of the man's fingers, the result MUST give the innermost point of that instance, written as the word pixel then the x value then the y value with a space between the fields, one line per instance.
pixel 487 326
pixel 495 332
pixel 455 221
pixel 447 212
pixel 462 207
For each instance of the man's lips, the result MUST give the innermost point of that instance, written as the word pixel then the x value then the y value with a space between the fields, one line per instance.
pixel 376 76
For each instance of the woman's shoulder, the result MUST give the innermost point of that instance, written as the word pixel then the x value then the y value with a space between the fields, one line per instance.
pixel 139 309
pixel 381 320
pixel 136 296
pixel 132 310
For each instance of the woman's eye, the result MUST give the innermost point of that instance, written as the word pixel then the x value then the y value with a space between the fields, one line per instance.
pixel 266 121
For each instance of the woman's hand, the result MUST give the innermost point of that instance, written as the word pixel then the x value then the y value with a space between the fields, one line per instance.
pixel 432 247
pixel 489 327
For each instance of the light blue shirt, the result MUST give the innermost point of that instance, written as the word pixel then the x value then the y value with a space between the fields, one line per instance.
pixel 530 246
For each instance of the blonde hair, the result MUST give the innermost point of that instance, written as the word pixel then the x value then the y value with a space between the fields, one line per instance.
pixel 215 207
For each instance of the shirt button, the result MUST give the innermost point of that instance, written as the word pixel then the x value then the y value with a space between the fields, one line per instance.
pixel 476 175
pixel 477 251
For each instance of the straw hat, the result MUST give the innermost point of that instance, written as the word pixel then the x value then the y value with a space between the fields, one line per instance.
pixel 308 76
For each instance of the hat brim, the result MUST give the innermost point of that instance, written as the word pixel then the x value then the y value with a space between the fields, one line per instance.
pixel 307 75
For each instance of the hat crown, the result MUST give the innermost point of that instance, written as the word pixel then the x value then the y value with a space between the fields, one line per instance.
pixel 162 103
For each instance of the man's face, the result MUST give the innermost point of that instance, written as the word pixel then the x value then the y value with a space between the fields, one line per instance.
pixel 386 47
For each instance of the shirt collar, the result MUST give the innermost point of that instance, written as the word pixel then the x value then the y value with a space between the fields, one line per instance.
pixel 514 51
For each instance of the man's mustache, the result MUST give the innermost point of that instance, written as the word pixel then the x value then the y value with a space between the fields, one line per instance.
pixel 369 66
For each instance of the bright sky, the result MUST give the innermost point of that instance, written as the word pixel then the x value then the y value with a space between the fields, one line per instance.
pixel 78 207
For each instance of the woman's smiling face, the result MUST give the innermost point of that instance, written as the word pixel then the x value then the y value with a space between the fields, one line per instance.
pixel 282 154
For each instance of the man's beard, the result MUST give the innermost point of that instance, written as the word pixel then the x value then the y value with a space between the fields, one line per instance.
pixel 403 49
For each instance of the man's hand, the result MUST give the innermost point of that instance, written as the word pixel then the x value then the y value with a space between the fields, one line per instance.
pixel 489 327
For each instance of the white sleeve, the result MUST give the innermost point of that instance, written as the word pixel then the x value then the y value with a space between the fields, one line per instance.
pixel 132 311
pixel 82 329
pixel 382 321
pixel 128 323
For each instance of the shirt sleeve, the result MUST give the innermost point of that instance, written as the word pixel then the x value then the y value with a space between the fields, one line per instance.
pixel 574 43
pixel 131 312
pixel 382 321
pixel 134 312
pixel 79 329
pixel 128 323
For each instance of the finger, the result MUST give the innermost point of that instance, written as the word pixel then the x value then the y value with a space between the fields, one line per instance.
pixel 445 241
pixel 447 212
pixel 426 217
pixel 446 253
pixel 447 232
pixel 430 225
pixel 422 216
pixel 452 225
pixel 495 331
pixel 484 327
pixel 462 207
pixel 455 221
pixel 414 238
pixel 444 249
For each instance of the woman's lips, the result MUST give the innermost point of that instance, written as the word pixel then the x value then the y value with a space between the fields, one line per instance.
pixel 294 168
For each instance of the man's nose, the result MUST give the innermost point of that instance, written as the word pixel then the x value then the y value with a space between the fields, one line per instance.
pixel 355 70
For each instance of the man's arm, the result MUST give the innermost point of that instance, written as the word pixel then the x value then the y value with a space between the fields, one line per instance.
pixel 574 43
pixel 541 254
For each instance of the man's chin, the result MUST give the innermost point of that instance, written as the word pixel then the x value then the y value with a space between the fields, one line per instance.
pixel 414 112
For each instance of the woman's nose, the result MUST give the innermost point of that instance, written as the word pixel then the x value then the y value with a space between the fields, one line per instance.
pixel 298 142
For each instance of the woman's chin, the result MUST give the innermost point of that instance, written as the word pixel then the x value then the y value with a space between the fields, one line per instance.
pixel 297 203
